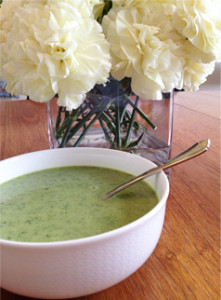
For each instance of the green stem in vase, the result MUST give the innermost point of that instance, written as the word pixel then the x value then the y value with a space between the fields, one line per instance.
pixel 87 128
pixel 82 112
pixel 142 114
pixel 109 123
pixel 80 124
pixel 107 135
pixel 60 131
pixel 131 124
pixel 123 113
pixel 58 121
pixel 118 127
pixel 72 118
pixel 68 116
pixel 110 116
pixel 134 143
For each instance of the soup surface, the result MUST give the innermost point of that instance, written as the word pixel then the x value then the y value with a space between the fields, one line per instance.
pixel 65 203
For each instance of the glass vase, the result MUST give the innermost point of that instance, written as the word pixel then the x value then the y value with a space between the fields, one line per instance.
pixel 113 117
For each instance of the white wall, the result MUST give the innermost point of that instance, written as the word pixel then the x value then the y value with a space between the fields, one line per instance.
pixel 214 80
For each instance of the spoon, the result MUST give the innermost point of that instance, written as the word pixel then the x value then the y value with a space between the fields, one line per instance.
pixel 193 151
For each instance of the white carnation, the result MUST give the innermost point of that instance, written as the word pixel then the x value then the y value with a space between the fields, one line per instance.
pixel 52 47
pixel 199 21
pixel 145 47
pixel 194 74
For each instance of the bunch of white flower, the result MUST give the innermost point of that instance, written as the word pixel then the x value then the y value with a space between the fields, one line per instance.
pixel 163 44
pixel 57 47
pixel 52 47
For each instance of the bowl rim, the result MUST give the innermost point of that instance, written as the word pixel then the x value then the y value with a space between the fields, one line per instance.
pixel 94 238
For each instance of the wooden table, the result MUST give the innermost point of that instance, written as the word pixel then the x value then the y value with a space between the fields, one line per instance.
pixel 185 263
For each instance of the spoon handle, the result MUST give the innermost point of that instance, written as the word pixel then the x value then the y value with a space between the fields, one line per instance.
pixel 193 151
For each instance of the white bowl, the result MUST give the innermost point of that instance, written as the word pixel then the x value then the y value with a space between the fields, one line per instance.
pixel 67 269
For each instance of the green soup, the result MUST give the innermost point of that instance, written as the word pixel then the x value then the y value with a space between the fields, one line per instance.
pixel 65 203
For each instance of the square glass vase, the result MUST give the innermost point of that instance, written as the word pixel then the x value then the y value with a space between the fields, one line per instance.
pixel 118 121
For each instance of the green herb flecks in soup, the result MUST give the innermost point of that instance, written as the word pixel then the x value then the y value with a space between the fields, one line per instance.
pixel 65 203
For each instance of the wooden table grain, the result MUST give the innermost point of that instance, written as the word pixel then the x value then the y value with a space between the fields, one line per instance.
pixel 186 261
